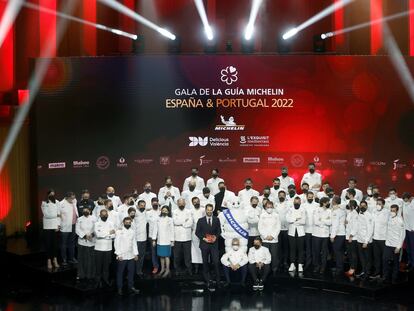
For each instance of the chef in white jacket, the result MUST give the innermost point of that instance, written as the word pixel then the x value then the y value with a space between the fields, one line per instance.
pixel 352 183
pixel 296 218
pixel 394 199
pixel 190 193
pixel 281 209
pixel 126 252
pixel 235 261
pixel 104 233
pixel 310 206
pixel 393 245
pixel 351 230
pixel 320 237
pixel 68 215
pixel 113 215
pixel 214 181
pixel 183 222
pixel 168 195
pixel 246 193
pixel 140 226
pixel 51 225
pixel 197 212
pixel 259 263
pixel 110 194
pixel 364 238
pixel 269 229
pixel 86 243
pixel 147 195
pixel 152 216
pixel 338 233
pixel 199 181
pixel 380 218
pixel 313 179
pixel 206 198
pixel 285 179
pixel 253 214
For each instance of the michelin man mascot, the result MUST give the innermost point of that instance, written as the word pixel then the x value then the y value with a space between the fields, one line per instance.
pixel 234 224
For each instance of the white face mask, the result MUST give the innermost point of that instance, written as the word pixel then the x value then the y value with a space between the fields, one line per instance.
pixel 379 207
pixel 393 214
pixel 235 247
pixel 269 210
pixel 393 196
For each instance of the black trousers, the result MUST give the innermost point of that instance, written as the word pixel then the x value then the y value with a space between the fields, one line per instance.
pixel 210 252
pixel 352 254
pixel 274 252
pixel 297 248
pixel 50 237
pixel 86 265
pixel 391 263
pixel 338 247
pixel 319 252
pixel 257 273
pixel 123 265
pixel 378 251
pixel 364 255
pixel 308 249
pixel 182 250
pixel 102 262
pixel 283 243
pixel 241 273
pixel 142 246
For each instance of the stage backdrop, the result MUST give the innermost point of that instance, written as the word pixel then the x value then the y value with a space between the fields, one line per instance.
pixel 124 120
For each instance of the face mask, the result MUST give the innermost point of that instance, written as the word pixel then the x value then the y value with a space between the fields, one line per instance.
pixel 363 209
pixel 347 207
pixel 168 185
pixel 248 187
pixel 104 218
pixel 147 190
pixel 110 195
pixel 222 190
pixel 312 170
pixel 181 207
pixel 254 205
pixel 85 214
pixel 276 187
pixel 142 209
pixel 379 207
pixel 215 175
pixel 155 206
pixel 369 192
pixel 235 247
pixel 127 226
pixel 100 203
pixel 296 205
pixel 393 196
pixel 191 188
pixel 330 195
pixel 375 195
pixel 197 206
pixel 164 214
pixel 310 201
pixel 194 174
pixel 329 205
pixel 52 198
pixel 269 210
pixel 393 214
pixel 135 195
pixel 305 191
pixel 256 246
pixel 130 203
pixel 284 174
pixel 132 216
pixel 347 197
pixel 282 199
pixel 110 208
pixel 292 193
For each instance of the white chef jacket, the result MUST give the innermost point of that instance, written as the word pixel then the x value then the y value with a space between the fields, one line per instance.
pixel 321 194
pixel 183 222
pixel 380 219
pixel 125 243
pixel 296 219
pixel 253 216
pixel 175 195
pixel 204 201
pixel 85 226
pixel 199 182
pixel 261 254
pixel 233 257
pixel 196 256
pixel 147 197
pixel 408 214
pixel 196 215
pixel 281 209
pixel 103 236
pixel 51 212
pixel 66 215
pixel 351 224
pixel 338 221
pixel 140 226
pixel 395 232
pixel 396 201
pixel 113 217
pixel 358 194
pixel 285 182
pixel 322 220
pixel 152 218
pixel 188 195
pixel 116 201
pixel 372 204
pixel 164 231
pixel 269 224
pixel 212 184
pixel 245 196
pixel 313 180
pixel 97 210
pixel 365 228
pixel 309 209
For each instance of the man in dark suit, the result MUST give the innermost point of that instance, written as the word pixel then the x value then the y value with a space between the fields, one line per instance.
pixel 208 230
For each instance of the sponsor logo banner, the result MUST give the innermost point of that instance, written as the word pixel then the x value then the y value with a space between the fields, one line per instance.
pixel 56 165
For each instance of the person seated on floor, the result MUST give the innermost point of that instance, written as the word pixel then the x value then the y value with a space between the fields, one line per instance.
pixel 259 263
pixel 235 260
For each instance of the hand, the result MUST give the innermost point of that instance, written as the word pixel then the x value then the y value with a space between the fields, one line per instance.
pixel 154 243
pixel 172 244
pixel 365 245
pixel 397 250
pixel 136 258
pixel 350 240
pixel 237 266
pixel 269 238
pixel 205 240
pixel 119 258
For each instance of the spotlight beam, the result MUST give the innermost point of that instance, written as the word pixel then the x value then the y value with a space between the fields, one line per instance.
pixel 12 9
pixel 248 33
pixel 34 85
pixel 203 15
pixel 135 16
pixel 79 20
pixel 325 12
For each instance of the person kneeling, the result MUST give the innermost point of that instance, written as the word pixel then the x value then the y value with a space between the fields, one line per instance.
pixel 235 260
pixel 259 263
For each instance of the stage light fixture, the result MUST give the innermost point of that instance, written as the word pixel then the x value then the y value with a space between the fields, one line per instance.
pixel 247 46
pixel 138 18
pixel 203 15
pixel 325 12
pixel 249 30
pixel 138 45
pixel 7 19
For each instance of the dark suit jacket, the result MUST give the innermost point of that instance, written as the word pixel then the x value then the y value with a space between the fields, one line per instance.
pixel 204 228
pixel 218 198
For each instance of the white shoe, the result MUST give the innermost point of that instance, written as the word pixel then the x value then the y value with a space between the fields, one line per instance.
pixel 300 268
pixel 292 267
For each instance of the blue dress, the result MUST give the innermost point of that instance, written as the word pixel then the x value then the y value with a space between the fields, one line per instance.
pixel 164 250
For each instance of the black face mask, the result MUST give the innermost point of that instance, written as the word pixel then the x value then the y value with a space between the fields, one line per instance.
pixel 164 214
pixel 142 209
pixel 104 218
pixel 100 203
pixel 155 207
pixel 127 226
pixel 266 195
pixel 110 195
pixel 310 201
pixel 132 216
pixel 85 214
pixel 52 198
pixel 282 199
pixel 147 190
pixel 292 193
pixel 181 207
pixel 312 170
pixel 197 206
pixel 305 191
pixel 296 205
pixel 248 187
pixel 330 195
pixel 191 188
pixel 347 207
pixel 135 195
pixel 256 246
pixel 254 205
pixel 110 208
pixel 276 187
pixel 284 174
pixel 168 185
pixel 328 206
pixel 194 174
pixel 215 175
pixel 222 190
pixel 363 209
pixel 347 197
pixel 130 203
pixel 375 195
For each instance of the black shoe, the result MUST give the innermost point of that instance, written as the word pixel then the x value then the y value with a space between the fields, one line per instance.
pixel 360 275
pixel 375 276
pixel 133 291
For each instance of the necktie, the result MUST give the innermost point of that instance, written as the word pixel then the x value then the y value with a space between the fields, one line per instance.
pixel 209 222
